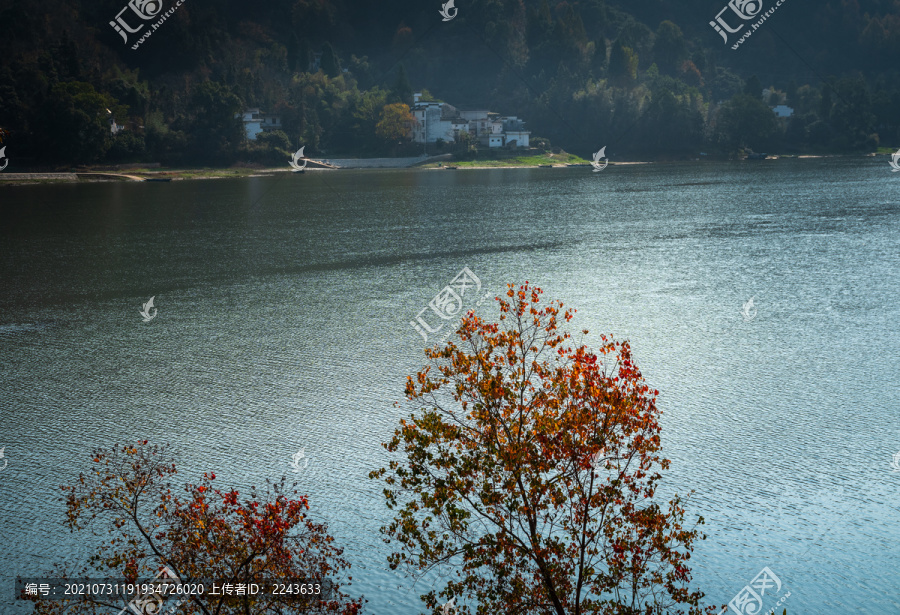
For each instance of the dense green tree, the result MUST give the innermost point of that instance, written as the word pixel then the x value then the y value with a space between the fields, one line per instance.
pixel 753 87
pixel 293 53
pixel 623 64
pixel 791 94
pixel 553 63
pixel 636 36
pixel 745 121
pixel 724 85
pixel 362 71
pixel 825 102
pixel 671 125
pixel 669 48
pixel 126 146
pixel 852 118
pixel 330 64
pixel 275 139
pixel 401 91
pixel 76 126
pixel 215 131
pixel 304 57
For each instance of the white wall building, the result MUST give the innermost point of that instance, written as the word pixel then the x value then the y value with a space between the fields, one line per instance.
pixel 479 121
pixel 256 122
pixel 783 111
pixel 436 120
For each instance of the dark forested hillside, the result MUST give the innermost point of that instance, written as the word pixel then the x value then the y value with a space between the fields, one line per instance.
pixel 650 79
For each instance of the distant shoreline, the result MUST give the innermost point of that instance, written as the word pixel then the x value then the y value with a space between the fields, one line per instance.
pixel 140 174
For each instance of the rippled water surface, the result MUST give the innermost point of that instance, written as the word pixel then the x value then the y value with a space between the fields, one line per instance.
pixel 284 309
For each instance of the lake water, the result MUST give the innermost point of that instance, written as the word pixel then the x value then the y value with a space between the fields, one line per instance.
pixel 284 306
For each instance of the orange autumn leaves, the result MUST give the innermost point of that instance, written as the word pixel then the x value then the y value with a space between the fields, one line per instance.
pixel 532 464
pixel 206 533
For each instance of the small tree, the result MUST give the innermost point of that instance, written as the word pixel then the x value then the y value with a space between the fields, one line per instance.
pixel 395 123
pixel 540 143
pixel 465 147
pixel 274 139
pixel 209 534
pixel 531 468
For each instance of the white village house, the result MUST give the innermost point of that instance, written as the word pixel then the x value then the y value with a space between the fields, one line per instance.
pixel 255 122
pixel 436 120
pixel 783 111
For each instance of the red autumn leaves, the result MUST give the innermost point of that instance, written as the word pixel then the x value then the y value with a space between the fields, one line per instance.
pixel 531 463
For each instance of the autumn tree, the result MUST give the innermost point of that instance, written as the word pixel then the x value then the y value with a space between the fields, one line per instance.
pixel 530 468
pixel 204 534
pixel 395 123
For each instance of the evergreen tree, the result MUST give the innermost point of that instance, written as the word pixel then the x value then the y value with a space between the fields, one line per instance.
pixel 825 103
pixel 304 57
pixel 791 94
pixel 402 90
pixel 623 63
pixel 293 53
pixel 669 49
pixel 753 87
pixel 330 64
pixel 745 121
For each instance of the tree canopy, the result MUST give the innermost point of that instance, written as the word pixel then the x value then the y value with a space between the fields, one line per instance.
pixel 203 533
pixel 530 471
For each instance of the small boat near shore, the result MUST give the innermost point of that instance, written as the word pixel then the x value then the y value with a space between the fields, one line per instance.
pixel 158 179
